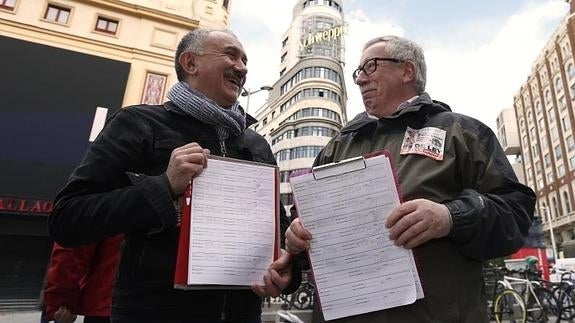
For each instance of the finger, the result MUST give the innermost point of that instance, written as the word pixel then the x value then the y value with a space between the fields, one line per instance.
pixel 294 244
pixel 283 262
pixel 404 223
pixel 206 154
pixel 280 279
pixel 411 232
pixel 193 158
pixel 298 229
pixel 259 290
pixel 398 213
pixel 418 240
pixel 271 288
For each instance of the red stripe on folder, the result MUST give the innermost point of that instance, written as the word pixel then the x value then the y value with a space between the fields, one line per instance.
pixel 181 273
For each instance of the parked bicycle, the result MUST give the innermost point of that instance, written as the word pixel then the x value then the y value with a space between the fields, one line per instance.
pixel 519 298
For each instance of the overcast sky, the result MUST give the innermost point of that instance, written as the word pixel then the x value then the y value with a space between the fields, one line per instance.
pixel 478 52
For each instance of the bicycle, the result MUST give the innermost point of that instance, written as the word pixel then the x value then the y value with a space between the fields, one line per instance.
pixel 507 305
pixel 564 291
pixel 540 303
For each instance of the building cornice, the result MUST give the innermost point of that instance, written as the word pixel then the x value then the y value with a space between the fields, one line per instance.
pixel 83 44
pixel 144 12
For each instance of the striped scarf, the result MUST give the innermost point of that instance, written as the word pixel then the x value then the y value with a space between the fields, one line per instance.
pixel 197 105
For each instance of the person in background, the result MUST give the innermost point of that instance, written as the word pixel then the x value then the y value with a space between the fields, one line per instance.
pixel 462 203
pixel 134 174
pixel 79 281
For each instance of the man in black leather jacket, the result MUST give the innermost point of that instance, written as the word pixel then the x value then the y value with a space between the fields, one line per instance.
pixel 134 173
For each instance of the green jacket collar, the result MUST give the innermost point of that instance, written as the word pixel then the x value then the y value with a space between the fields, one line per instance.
pixel 423 103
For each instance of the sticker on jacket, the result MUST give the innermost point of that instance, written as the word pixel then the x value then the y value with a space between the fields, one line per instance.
pixel 428 142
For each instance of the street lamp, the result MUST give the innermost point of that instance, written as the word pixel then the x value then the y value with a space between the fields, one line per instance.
pixel 249 93
pixel 554 246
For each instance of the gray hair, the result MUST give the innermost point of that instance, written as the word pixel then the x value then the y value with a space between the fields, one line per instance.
pixel 405 49
pixel 193 42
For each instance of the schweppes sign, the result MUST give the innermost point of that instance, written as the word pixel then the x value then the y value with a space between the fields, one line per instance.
pixel 323 36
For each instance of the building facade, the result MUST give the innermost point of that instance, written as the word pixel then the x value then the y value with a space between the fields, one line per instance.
pixel 307 105
pixel 66 65
pixel 544 107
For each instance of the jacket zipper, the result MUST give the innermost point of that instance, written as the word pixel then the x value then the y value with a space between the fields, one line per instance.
pixel 223 148
pixel 223 315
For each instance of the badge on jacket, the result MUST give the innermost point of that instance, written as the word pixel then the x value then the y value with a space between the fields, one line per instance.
pixel 428 142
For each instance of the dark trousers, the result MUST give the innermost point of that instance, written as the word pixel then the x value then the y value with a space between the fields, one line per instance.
pixel 96 319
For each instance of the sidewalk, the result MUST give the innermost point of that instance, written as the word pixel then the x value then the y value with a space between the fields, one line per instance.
pixel 24 317
pixel 20 317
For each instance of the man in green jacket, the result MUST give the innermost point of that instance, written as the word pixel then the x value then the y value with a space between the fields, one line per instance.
pixel 462 203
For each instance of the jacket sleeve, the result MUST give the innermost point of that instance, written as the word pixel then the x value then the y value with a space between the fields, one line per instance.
pixel 67 268
pixel 105 195
pixel 493 213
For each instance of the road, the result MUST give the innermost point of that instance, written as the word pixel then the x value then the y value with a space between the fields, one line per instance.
pixel 24 317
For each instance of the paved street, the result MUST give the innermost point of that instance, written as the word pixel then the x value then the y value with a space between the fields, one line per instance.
pixel 20 317
pixel 23 317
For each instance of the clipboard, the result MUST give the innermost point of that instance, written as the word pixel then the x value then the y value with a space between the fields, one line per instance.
pixel 343 204
pixel 265 181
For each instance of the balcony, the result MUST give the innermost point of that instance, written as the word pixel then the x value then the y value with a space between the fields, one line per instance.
pixel 562 220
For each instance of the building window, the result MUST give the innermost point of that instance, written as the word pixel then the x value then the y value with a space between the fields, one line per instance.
pixel 558 85
pixel 570 143
pixel 7 4
pixel 560 171
pixel 57 14
pixel 107 25
pixel 570 71
pixel 538 107
pixel 561 102
pixel 558 153
pixel 555 209
pixel 565 123
pixel 547 160
pixel 567 204
pixel 550 177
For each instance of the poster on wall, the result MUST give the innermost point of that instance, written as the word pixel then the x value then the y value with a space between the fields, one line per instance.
pixel 154 88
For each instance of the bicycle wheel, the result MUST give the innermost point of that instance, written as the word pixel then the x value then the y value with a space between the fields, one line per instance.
pixel 566 297
pixel 509 307
pixel 543 307
pixel 491 303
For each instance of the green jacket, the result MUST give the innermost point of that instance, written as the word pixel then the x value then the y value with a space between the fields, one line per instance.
pixel 468 172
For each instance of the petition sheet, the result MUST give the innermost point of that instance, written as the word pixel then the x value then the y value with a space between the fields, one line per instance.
pixel 233 223
pixel 357 268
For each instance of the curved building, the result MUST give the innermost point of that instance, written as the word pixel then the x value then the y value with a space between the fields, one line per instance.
pixel 306 106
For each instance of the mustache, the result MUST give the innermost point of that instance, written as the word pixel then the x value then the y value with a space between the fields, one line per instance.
pixel 232 73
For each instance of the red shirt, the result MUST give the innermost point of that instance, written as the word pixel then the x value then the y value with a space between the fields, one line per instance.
pixel 81 279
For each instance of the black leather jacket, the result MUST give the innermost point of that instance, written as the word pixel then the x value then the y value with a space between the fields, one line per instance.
pixel 119 187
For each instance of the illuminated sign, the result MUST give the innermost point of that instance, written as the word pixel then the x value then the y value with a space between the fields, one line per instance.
pixel 322 36
pixel 16 205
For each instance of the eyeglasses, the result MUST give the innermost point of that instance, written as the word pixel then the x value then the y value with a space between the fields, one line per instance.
pixel 370 66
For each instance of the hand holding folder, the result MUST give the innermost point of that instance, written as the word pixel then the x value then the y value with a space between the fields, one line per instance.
pixel 356 267
pixel 229 233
